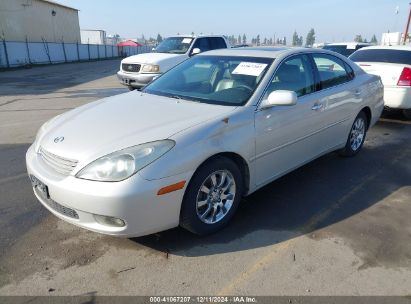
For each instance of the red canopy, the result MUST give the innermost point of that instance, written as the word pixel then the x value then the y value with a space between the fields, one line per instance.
pixel 129 43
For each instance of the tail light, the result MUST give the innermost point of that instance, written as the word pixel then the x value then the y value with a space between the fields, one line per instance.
pixel 405 78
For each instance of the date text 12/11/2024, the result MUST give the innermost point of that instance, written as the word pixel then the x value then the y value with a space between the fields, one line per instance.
pixel 203 299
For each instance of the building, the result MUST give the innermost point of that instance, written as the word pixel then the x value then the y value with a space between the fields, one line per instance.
pixel 93 37
pixel 396 38
pixel 38 20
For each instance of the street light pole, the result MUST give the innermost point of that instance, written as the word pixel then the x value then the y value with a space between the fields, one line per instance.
pixel 407 27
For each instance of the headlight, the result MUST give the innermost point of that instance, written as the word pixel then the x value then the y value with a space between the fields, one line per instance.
pixel 150 68
pixel 122 164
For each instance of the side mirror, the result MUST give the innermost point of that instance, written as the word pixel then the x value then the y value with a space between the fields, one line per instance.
pixel 195 51
pixel 280 98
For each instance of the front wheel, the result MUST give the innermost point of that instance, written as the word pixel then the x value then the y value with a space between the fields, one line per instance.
pixel 212 196
pixel 356 137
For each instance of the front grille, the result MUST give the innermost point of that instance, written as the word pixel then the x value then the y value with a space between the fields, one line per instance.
pixel 57 163
pixel 59 208
pixel 131 67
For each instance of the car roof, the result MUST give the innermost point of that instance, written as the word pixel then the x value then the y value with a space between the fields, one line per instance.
pixel 349 43
pixel 388 47
pixel 265 52
pixel 195 36
pixel 269 52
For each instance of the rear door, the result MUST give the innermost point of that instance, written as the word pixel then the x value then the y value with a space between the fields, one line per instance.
pixel 339 95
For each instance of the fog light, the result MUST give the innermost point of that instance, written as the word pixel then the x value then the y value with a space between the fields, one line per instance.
pixel 109 221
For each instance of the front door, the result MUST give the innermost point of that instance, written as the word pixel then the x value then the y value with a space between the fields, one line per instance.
pixel 287 136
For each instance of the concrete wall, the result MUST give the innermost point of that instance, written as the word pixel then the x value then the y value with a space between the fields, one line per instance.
pixel 15 54
pixel 34 19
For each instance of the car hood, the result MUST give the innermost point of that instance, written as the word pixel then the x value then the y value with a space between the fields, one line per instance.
pixel 118 122
pixel 154 58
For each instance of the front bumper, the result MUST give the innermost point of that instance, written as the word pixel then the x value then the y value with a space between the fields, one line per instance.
pixel 135 80
pixel 133 200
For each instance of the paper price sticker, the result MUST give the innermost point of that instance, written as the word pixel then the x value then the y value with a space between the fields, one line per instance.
pixel 249 68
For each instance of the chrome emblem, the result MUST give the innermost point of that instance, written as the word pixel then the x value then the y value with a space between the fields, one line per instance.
pixel 58 139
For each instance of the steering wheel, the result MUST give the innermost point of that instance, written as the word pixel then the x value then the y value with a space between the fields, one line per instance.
pixel 244 86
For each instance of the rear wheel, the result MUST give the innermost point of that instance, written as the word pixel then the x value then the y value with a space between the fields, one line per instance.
pixel 212 196
pixel 407 113
pixel 356 137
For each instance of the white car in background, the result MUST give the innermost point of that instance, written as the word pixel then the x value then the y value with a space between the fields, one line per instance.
pixel 393 65
pixel 192 143
pixel 139 70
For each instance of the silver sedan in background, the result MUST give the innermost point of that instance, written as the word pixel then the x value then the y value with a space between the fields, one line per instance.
pixel 186 149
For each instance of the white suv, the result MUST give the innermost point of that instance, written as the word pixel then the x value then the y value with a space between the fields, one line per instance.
pixel 139 70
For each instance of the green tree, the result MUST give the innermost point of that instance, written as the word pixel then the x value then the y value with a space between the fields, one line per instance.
pixel 159 38
pixel 244 39
pixel 257 40
pixel 295 39
pixel 300 41
pixel 310 40
pixel 239 39
pixel 374 40
pixel 285 41
pixel 358 38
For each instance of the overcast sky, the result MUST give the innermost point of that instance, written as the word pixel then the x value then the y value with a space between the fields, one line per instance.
pixel 333 20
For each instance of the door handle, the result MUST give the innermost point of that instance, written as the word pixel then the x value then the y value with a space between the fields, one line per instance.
pixel 357 93
pixel 317 106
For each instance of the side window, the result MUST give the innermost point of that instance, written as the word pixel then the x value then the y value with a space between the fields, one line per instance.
pixel 217 43
pixel 294 74
pixel 202 44
pixel 331 70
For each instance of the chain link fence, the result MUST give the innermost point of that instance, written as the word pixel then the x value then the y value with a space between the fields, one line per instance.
pixel 17 54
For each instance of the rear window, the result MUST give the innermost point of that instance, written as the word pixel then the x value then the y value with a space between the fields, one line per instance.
pixel 391 56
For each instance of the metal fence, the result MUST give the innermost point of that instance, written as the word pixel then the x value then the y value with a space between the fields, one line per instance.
pixel 15 54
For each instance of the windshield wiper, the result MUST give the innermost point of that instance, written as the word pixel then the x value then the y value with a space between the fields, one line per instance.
pixel 179 97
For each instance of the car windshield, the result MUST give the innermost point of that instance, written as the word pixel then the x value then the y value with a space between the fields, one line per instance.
pixel 382 55
pixel 174 45
pixel 221 80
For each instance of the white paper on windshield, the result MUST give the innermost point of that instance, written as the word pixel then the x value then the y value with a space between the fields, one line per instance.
pixel 187 40
pixel 249 68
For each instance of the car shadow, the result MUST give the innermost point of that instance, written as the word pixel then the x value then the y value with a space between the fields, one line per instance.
pixel 321 193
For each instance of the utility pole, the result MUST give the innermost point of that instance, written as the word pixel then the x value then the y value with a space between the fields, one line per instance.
pixel 408 25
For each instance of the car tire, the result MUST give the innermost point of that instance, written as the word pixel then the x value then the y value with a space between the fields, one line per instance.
pixel 407 113
pixel 130 88
pixel 205 212
pixel 356 137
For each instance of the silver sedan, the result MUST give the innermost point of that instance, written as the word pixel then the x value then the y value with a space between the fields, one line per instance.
pixel 187 148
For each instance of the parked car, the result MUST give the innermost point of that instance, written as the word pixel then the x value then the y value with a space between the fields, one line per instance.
pixel 139 70
pixel 393 65
pixel 213 129
pixel 345 48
